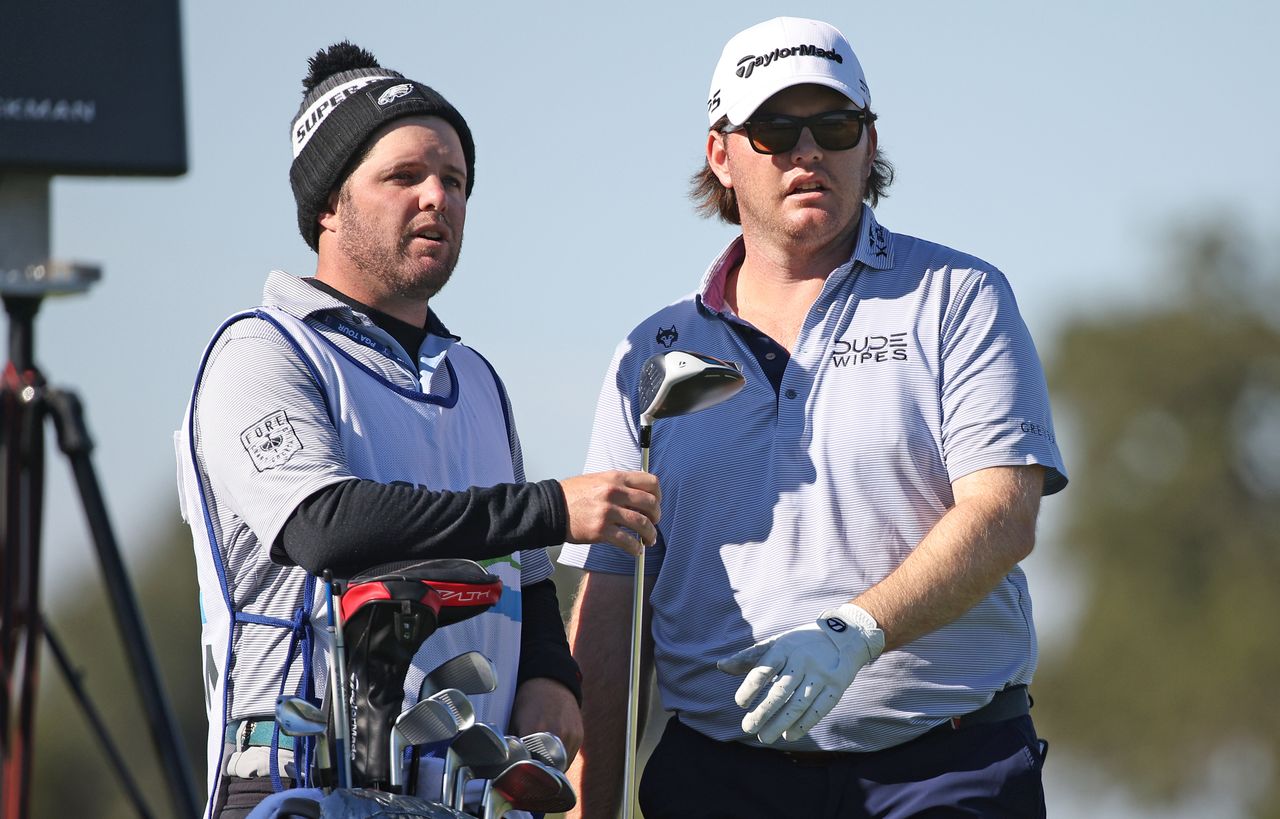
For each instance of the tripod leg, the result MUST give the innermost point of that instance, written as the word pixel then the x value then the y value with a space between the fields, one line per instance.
pixel 8 590
pixel 23 447
pixel 74 441
pixel 8 582
pixel 95 722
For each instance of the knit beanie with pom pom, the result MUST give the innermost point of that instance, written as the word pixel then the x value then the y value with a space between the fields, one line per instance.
pixel 346 97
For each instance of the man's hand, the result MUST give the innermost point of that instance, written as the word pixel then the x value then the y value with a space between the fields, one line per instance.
pixel 613 508
pixel 542 704
pixel 810 668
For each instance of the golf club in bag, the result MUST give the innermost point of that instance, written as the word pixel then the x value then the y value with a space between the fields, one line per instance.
pixel 387 613
pixel 527 785
pixel 672 383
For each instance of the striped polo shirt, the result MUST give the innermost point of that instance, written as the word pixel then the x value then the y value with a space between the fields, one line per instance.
pixel 913 368
pixel 300 394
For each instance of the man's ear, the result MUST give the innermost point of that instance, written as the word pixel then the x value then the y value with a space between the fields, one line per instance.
pixel 718 157
pixel 328 218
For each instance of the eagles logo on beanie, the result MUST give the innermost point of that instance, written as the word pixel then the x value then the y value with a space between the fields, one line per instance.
pixel 346 97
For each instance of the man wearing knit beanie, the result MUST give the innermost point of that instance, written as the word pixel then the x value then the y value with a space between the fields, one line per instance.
pixel 341 426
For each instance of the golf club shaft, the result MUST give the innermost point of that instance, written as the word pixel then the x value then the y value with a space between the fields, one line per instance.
pixel 331 707
pixel 342 713
pixel 458 798
pixel 450 779
pixel 339 747
pixel 396 757
pixel 494 805
pixel 633 693
pixel 324 754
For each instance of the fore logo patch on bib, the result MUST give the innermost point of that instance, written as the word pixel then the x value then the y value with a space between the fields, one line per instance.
pixel 271 441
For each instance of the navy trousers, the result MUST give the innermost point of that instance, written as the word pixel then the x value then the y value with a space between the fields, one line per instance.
pixel 987 770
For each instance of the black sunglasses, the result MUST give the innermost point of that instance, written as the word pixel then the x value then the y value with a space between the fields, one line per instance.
pixel 779 133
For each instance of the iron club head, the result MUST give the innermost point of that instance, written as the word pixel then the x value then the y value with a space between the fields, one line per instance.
pixel 298 717
pixel 528 785
pixel 470 673
pixel 547 748
pixel 439 718
pixel 478 752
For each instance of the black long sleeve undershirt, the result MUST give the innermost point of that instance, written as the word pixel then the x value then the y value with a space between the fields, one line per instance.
pixel 544 648
pixel 349 526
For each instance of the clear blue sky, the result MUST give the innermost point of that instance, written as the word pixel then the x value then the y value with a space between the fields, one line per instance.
pixel 1059 141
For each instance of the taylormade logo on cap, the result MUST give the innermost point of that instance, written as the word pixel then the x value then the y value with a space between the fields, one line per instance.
pixel 751 62
pixel 774 55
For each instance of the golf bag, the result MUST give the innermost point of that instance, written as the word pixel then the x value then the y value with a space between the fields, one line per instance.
pixel 389 612
pixel 349 804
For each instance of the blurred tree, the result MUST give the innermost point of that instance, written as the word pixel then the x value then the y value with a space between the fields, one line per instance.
pixel 1174 514
pixel 72 776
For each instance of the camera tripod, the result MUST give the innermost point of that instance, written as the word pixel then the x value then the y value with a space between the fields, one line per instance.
pixel 26 401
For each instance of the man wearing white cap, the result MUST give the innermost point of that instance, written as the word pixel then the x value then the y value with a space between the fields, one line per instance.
pixel 839 623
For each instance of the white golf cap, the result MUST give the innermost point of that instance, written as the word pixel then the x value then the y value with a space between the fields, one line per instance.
pixel 779 53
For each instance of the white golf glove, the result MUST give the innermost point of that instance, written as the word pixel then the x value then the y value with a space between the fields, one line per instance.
pixel 810 668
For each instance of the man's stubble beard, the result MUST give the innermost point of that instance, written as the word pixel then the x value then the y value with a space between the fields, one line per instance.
pixel 399 273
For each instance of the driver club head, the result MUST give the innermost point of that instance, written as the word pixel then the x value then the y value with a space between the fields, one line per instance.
pixel 679 382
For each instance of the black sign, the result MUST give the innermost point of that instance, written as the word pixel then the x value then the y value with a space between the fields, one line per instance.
pixel 92 87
